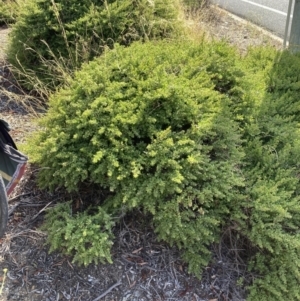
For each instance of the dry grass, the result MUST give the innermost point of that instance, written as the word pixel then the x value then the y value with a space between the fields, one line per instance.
pixel 207 21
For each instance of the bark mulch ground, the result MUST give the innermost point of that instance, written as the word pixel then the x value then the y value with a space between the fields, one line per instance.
pixel 143 268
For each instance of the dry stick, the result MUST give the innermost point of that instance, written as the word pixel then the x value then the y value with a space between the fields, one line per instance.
pixel 11 210
pixel 18 196
pixel 108 290
pixel 34 217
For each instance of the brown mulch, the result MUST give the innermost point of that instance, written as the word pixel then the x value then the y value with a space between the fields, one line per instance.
pixel 143 268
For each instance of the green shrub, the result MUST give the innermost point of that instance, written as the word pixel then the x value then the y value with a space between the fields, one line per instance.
pixel 52 38
pixel 271 163
pixel 196 136
pixel 87 237
pixel 8 11
pixel 274 156
pixel 148 123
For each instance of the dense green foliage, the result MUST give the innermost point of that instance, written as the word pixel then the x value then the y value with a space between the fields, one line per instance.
pixel 86 236
pixel 52 38
pixel 8 11
pixel 146 123
pixel 197 136
pixel 272 154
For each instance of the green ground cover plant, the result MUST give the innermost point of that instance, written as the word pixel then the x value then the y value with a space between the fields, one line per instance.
pixel 200 138
pixel 265 105
pixel 84 235
pixel 272 172
pixel 51 39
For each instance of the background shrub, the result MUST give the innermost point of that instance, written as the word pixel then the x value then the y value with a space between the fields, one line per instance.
pixel 8 11
pixel 52 38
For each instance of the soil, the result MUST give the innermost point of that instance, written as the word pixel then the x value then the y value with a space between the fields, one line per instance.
pixel 143 268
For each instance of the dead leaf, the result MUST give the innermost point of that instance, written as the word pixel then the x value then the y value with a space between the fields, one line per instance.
pixel 137 251
pixel 132 284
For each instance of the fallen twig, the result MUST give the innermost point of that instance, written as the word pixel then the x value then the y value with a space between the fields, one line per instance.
pixel 19 196
pixel 108 290
pixel 11 210
pixel 35 216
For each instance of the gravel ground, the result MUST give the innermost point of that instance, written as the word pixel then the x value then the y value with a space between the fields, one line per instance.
pixel 143 268
pixel 219 24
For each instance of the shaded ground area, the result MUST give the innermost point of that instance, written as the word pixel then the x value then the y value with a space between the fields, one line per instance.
pixel 143 268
